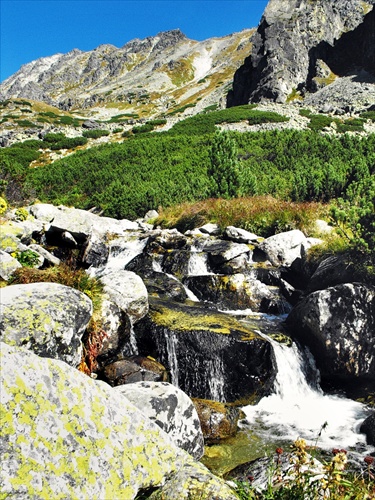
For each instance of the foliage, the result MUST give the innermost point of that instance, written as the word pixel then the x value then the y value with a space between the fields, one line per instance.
pixel 141 129
pixel 355 218
pixel 95 133
pixel 69 143
pixel 26 258
pixel 21 214
pixel 223 170
pixel 304 479
pixel 368 115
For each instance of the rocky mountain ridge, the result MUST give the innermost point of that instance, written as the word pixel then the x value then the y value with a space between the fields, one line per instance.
pixel 150 76
pixel 302 46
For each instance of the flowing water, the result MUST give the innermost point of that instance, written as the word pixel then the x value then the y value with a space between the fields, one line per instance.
pixel 299 408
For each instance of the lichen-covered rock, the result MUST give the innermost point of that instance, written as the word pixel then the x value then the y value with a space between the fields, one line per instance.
pixel 338 325
pixel 240 235
pixel 128 292
pixel 218 420
pixel 46 318
pixel 65 435
pixel 171 409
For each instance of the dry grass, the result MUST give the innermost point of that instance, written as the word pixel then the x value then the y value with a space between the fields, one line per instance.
pixel 263 215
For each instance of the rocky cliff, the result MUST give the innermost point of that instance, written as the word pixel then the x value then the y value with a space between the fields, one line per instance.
pixel 146 77
pixel 303 45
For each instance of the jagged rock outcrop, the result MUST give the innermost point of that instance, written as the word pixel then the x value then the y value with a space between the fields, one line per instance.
pixel 302 45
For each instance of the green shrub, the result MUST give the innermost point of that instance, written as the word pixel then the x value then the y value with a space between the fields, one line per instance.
pixel 350 125
pixel 52 138
pixel 223 171
pixel 27 258
pixel 95 134
pixel 21 214
pixel 147 127
pixel 69 143
pixel 319 122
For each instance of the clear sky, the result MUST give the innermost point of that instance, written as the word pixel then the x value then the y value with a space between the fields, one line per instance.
pixel 37 28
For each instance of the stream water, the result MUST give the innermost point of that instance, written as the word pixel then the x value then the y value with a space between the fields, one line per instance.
pixel 298 408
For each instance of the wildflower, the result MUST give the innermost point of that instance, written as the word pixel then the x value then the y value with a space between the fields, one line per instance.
pixel 339 461
pixel 300 444
pixel 279 451
pixel 369 460
pixel 250 478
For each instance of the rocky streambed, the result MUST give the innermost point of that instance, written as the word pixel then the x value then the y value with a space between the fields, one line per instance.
pixel 200 310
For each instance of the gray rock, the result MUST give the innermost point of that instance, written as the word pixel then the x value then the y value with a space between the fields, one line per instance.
pixel 47 256
pixel 46 318
pixel 284 248
pixel 8 265
pixel 82 439
pixel 338 325
pixel 128 292
pixel 212 229
pixel 171 409
pixel 240 235
pixel 294 40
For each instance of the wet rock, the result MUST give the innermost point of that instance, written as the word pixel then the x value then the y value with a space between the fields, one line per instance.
pixel 338 325
pixel 237 291
pixel 47 318
pixel 171 409
pixel 160 285
pixel 95 252
pixel 368 428
pixel 210 355
pixel 332 271
pixel 222 251
pixel 218 420
pixel 126 371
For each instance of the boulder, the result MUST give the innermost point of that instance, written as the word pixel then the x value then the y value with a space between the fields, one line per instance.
pixel 128 292
pixel 218 420
pixel 171 409
pixel 210 355
pixel 237 292
pixel 284 248
pixel 46 318
pixel 332 271
pixel 8 265
pixel 65 435
pixel 368 428
pixel 95 251
pixel 126 371
pixel 338 325
pixel 240 235
pixel 220 251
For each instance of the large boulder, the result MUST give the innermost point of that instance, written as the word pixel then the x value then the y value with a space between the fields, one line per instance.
pixel 127 290
pixel 46 318
pixel 171 409
pixel 8 265
pixel 338 325
pixel 65 435
pixel 284 248
pixel 368 428
pixel 210 355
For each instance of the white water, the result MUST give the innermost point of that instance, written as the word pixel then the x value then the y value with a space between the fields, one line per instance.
pixel 297 409
pixel 132 340
pixel 216 379
pixel 198 263
pixel 171 342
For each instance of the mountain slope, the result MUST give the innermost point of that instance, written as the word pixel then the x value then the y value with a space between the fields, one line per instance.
pixel 147 77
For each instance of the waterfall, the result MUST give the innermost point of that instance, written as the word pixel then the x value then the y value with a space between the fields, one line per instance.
pixel 216 379
pixel 171 343
pixel 198 263
pixel 301 409
pixel 132 340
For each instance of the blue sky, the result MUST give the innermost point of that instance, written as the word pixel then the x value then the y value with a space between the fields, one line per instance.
pixel 37 28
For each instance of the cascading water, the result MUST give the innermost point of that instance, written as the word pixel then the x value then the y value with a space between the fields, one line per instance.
pixel 171 343
pixel 198 263
pixel 216 380
pixel 300 409
pixel 132 340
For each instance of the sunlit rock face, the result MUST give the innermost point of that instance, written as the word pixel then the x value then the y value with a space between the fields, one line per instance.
pixel 338 325
pixel 303 45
